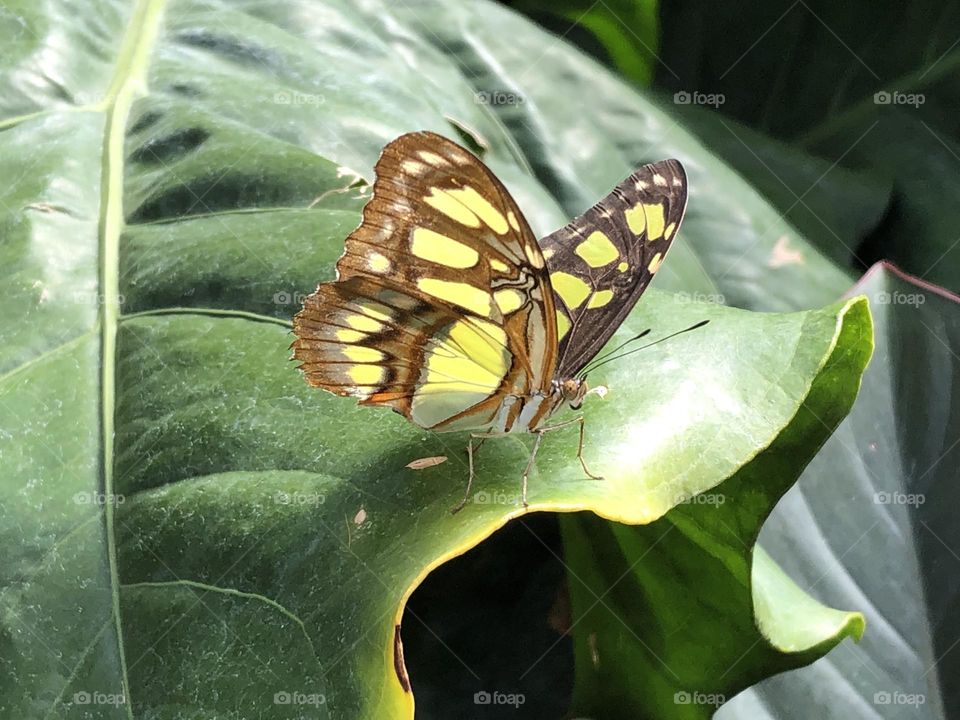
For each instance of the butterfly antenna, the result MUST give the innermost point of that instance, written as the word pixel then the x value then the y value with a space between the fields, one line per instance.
pixel 608 359
pixel 617 349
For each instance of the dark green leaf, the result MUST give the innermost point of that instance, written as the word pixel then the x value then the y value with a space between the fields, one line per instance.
pixel 877 95
pixel 624 33
pixel 834 207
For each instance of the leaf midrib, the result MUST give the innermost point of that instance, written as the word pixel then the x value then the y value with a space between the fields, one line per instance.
pixel 129 80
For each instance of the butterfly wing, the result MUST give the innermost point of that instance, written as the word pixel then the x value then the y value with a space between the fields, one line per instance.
pixel 441 306
pixel 603 260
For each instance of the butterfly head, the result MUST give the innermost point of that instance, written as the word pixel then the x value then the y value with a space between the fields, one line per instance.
pixel 573 390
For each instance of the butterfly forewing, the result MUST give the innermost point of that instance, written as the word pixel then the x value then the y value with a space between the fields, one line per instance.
pixel 441 306
pixel 603 260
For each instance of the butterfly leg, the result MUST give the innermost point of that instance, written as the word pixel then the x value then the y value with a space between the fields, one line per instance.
pixel 526 470
pixel 580 453
pixel 470 451
pixel 566 423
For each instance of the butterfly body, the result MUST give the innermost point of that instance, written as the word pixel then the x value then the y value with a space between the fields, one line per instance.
pixel 447 309
pixel 529 413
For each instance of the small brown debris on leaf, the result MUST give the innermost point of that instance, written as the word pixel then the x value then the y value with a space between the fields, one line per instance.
pixel 783 255
pixel 426 462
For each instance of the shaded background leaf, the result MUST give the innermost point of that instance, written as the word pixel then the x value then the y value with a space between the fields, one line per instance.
pixel 871 87
pixel 624 34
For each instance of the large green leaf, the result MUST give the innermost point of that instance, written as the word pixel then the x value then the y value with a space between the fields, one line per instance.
pixel 886 541
pixel 187 534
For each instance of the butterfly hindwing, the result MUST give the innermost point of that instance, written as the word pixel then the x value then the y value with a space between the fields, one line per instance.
pixel 441 305
pixel 602 261
pixel 366 339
